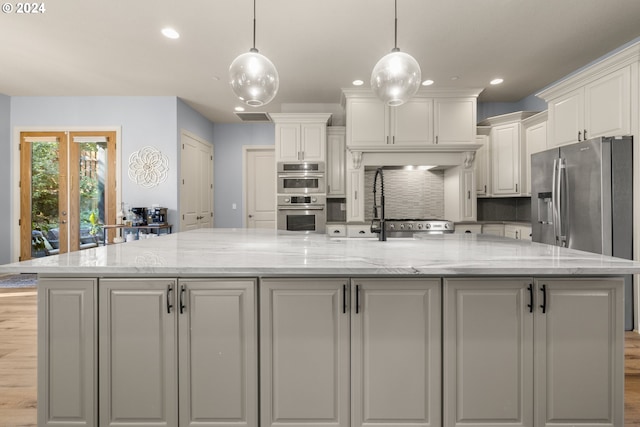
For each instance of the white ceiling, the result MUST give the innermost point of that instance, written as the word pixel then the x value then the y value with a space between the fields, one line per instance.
pixel 114 47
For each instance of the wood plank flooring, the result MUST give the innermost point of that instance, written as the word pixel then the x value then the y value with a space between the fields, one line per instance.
pixel 18 362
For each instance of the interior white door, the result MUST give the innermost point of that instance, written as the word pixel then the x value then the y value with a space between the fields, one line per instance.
pixel 260 187
pixel 196 191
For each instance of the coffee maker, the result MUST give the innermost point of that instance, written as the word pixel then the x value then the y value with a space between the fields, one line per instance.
pixel 157 216
pixel 139 216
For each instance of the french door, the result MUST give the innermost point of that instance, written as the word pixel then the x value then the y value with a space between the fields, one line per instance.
pixel 67 190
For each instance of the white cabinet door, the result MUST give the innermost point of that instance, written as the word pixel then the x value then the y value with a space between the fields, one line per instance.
pixel 566 118
pixel 467 192
pixel 579 353
pixel 288 142
pixel 336 161
pixel 314 141
pixel 355 196
pixel 454 120
pixel 511 231
pixel 535 140
pixel 304 353
pixel 608 105
pixel 67 358
pixel 488 352
pixel 412 122
pixel 483 175
pixel 505 150
pixel 367 122
pixel 395 364
pixel 138 367
pixel 218 353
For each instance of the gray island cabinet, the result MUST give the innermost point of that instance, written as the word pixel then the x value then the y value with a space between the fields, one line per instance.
pixel 263 328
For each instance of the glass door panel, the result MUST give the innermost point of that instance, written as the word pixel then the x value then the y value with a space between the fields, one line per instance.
pixel 67 191
pixel 43 187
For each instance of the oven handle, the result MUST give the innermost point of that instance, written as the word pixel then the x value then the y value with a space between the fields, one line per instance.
pixel 300 208
pixel 301 175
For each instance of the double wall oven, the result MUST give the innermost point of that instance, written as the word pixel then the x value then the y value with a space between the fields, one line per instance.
pixel 302 197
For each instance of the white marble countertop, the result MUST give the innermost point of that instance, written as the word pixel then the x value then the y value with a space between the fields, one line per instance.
pixel 249 252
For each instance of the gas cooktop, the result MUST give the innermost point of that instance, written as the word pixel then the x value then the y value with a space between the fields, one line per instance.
pixel 410 226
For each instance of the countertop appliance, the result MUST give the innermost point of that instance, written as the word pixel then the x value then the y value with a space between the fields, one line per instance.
pixel 409 227
pixel 139 216
pixel 305 213
pixel 301 178
pixel 582 198
pixel 157 216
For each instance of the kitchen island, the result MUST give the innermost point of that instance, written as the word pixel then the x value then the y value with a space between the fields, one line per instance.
pixel 196 328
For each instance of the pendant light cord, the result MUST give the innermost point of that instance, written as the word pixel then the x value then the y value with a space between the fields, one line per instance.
pixel 254 27
pixel 395 39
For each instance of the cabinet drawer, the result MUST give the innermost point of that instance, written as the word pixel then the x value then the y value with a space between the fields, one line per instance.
pixel 363 230
pixel 494 229
pixel 336 230
pixel 468 228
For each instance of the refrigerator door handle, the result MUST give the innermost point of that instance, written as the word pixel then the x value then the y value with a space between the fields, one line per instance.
pixel 555 197
pixel 562 179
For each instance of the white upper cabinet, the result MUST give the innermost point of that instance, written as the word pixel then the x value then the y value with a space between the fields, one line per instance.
pixel 596 101
pixel 507 153
pixel 336 167
pixel 505 149
pixel 371 122
pixel 482 163
pixel 454 120
pixel 600 108
pixel 430 117
pixel 535 140
pixel 301 137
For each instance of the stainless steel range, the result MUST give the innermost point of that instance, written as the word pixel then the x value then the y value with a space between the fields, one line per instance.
pixel 409 227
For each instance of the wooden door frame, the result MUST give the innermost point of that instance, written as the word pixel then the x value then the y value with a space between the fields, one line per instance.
pixel 15 172
pixel 245 153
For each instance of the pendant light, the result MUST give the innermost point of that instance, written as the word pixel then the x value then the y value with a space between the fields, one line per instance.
pixel 396 77
pixel 252 76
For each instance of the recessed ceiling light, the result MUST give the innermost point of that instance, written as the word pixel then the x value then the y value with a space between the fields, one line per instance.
pixel 427 83
pixel 216 78
pixel 357 82
pixel 496 81
pixel 454 78
pixel 170 33
pixel 239 109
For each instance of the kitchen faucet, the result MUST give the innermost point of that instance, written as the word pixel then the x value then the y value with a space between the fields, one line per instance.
pixel 377 223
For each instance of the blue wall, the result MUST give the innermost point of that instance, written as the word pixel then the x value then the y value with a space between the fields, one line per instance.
pixel 5 178
pixel 227 169
pixel 145 121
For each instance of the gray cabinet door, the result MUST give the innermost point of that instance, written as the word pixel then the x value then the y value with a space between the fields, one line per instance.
pixel 67 355
pixel 396 352
pixel 138 355
pixel 488 352
pixel 304 353
pixel 579 352
pixel 218 353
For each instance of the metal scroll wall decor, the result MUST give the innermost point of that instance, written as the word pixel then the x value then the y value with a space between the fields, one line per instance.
pixel 148 167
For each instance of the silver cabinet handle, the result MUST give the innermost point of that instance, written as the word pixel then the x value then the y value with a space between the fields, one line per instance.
pixel 355 195
pixel 584 134
pixel 579 136
pixel 436 139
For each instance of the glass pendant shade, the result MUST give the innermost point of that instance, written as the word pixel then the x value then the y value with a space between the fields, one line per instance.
pixel 254 78
pixel 396 78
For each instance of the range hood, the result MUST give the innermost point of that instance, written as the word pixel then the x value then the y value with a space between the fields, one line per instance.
pixel 441 156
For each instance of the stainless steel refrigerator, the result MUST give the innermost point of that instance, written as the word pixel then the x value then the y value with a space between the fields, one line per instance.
pixel 582 198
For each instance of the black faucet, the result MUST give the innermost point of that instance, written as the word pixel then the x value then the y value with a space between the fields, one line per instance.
pixel 378 222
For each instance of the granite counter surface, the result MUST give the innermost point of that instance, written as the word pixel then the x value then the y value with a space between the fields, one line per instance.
pixel 251 252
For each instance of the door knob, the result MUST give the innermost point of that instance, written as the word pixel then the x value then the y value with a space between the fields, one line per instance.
pixel 250 216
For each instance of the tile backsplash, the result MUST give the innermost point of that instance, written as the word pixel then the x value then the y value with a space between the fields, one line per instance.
pixel 408 194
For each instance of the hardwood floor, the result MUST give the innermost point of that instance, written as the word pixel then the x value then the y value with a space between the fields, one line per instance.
pixel 18 357
pixel 18 362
